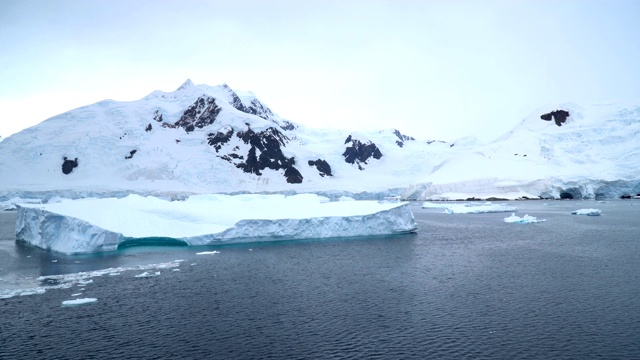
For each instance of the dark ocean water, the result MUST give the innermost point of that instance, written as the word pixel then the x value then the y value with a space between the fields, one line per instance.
pixel 464 287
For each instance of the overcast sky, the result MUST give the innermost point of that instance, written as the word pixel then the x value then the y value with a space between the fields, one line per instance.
pixel 433 69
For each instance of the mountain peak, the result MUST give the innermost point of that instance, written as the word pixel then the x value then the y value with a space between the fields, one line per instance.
pixel 185 85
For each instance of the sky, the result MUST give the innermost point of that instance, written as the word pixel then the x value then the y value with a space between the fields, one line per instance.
pixel 432 69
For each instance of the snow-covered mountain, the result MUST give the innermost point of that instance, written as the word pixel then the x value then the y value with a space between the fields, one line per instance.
pixel 212 139
pixel 203 139
pixel 559 151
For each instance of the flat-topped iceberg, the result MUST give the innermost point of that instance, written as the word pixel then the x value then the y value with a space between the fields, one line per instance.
pixel 95 225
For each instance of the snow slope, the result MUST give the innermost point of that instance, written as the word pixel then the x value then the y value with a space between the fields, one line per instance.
pixel 94 225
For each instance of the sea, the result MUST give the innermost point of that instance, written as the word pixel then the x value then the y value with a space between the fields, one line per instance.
pixel 465 286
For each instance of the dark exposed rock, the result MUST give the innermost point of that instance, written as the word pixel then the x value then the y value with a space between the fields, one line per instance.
pixel 287 125
pixel 254 108
pixel 157 116
pixel 359 153
pixel 131 153
pixel 293 175
pixel 203 112
pixel 559 116
pixel 148 128
pixel 230 157
pixel 323 167
pixel 69 165
pixel 402 138
pixel 266 152
pixel 220 138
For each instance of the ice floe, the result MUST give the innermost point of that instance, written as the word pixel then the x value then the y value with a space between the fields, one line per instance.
pixel 587 212
pixel 66 281
pixel 208 252
pixel 470 208
pixel 95 225
pixel 522 220
pixel 76 302
pixel 148 274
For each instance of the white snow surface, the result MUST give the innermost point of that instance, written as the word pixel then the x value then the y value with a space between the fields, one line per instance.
pixel 470 208
pixel 514 219
pixel 593 154
pixel 587 212
pixel 94 225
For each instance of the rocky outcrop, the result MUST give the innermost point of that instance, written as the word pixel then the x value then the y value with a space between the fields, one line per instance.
pixel 264 152
pixel 254 108
pixel 324 169
pixel 359 153
pixel 203 112
pixel 131 153
pixel 68 165
pixel 559 116
pixel 220 138
pixel 157 116
pixel 402 138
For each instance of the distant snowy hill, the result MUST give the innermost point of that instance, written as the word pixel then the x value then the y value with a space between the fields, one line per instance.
pixel 559 151
pixel 212 139
pixel 203 139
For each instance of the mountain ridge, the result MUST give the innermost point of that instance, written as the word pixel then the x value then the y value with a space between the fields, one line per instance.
pixel 204 139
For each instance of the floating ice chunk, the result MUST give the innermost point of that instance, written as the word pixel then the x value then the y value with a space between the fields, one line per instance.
pixel 65 281
pixel 175 270
pixel 94 225
pixel 346 198
pixel 147 274
pixel 114 274
pixel 208 252
pixel 78 294
pixel 522 220
pixel 76 302
pixel 587 212
pixel 32 292
pixel 430 205
pixel 469 208
pixel 478 209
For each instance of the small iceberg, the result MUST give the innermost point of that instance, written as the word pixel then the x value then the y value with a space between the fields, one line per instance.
pixel 208 252
pixel 514 219
pixel 77 302
pixel 587 212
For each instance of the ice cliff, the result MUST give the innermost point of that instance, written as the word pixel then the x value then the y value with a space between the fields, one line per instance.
pixel 96 225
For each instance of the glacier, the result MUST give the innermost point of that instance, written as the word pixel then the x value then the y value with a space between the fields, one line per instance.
pixel 99 225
